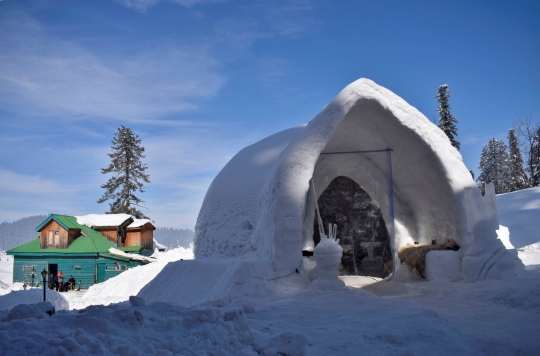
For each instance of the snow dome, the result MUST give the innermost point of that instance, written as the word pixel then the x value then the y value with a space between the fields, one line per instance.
pixel 371 163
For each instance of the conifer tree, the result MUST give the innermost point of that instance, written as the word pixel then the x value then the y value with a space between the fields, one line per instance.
pixel 494 166
pixel 535 159
pixel 447 122
pixel 519 179
pixel 128 174
pixel 528 133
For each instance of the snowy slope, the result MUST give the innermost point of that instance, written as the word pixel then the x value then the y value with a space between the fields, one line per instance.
pixel 520 212
pixel 6 272
pixel 130 282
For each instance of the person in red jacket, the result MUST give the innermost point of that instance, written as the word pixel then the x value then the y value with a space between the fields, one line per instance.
pixel 60 281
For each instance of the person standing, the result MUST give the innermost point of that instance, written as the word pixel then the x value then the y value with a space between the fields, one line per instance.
pixel 60 285
pixel 51 281
pixel 70 283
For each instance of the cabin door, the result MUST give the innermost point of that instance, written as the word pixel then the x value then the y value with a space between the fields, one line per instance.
pixel 53 268
pixel 100 272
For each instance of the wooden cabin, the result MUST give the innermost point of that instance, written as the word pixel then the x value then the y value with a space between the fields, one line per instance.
pixel 68 244
pixel 140 233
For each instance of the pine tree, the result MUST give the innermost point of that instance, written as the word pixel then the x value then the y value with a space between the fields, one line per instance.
pixel 519 179
pixel 494 166
pixel 528 133
pixel 447 122
pixel 535 159
pixel 129 174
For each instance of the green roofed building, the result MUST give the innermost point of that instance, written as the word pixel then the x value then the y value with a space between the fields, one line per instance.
pixel 81 247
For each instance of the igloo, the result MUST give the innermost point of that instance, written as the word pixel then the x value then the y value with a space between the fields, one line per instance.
pixel 367 156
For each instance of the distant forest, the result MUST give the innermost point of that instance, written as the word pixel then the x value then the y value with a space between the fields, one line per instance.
pixel 172 238
pixel 20 231
pixel 24 230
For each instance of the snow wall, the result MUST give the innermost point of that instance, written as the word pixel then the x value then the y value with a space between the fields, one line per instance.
pixel 255 206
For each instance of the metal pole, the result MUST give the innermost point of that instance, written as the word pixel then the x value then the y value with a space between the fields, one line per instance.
pixel 391 209
pixel 44 274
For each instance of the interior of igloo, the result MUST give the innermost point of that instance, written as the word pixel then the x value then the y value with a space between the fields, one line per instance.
pixel 359 187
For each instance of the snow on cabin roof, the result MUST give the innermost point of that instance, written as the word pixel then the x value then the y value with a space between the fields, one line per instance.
pixel 139 222
pixel 101 220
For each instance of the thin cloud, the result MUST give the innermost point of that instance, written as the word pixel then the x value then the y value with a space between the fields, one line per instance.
pixel 20 183
pixel 44 76
pixel 292 18
pixel 142 5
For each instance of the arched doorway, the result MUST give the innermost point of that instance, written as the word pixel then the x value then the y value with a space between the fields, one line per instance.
pixel 360 227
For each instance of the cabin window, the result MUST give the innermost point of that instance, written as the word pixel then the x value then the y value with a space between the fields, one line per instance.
pixel 28 269
pixel 57 238
pixel 50 240
pixel 117 267
pixel 77 267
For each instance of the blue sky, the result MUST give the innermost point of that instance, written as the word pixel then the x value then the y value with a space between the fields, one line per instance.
pixel 197 80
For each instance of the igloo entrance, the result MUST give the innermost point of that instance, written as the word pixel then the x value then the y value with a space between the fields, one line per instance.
pixel 360 227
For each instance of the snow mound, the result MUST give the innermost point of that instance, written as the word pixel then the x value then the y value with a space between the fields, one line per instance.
pixel 102 220
pixel 30 311
pixel 159 329
pixel 130 282
pixel 197 281
pixel 519 211
pixel 530 255
pixel 32 296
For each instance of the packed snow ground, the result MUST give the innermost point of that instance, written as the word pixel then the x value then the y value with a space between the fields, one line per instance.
pixel 270 317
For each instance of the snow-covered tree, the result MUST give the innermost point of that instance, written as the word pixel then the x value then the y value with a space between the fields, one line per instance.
pixel 494 166
pixel 447 122
pixel 128 174
pixel 528 132
pixel 519 179
pixel 535 159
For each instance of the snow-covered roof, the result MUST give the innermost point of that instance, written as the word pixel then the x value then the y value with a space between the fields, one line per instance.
pixel 133 256
pixel 103 220
pixel 139 222
pixel 256 205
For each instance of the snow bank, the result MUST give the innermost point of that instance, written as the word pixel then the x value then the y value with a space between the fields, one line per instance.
pixel 6 274
pixel 159 329
pixel 196 281
pixel 530 255
pixel 519 211
pixel 32 296
pixel 255 206
pixel 30 311
pixel 102 220
pixel 130 282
